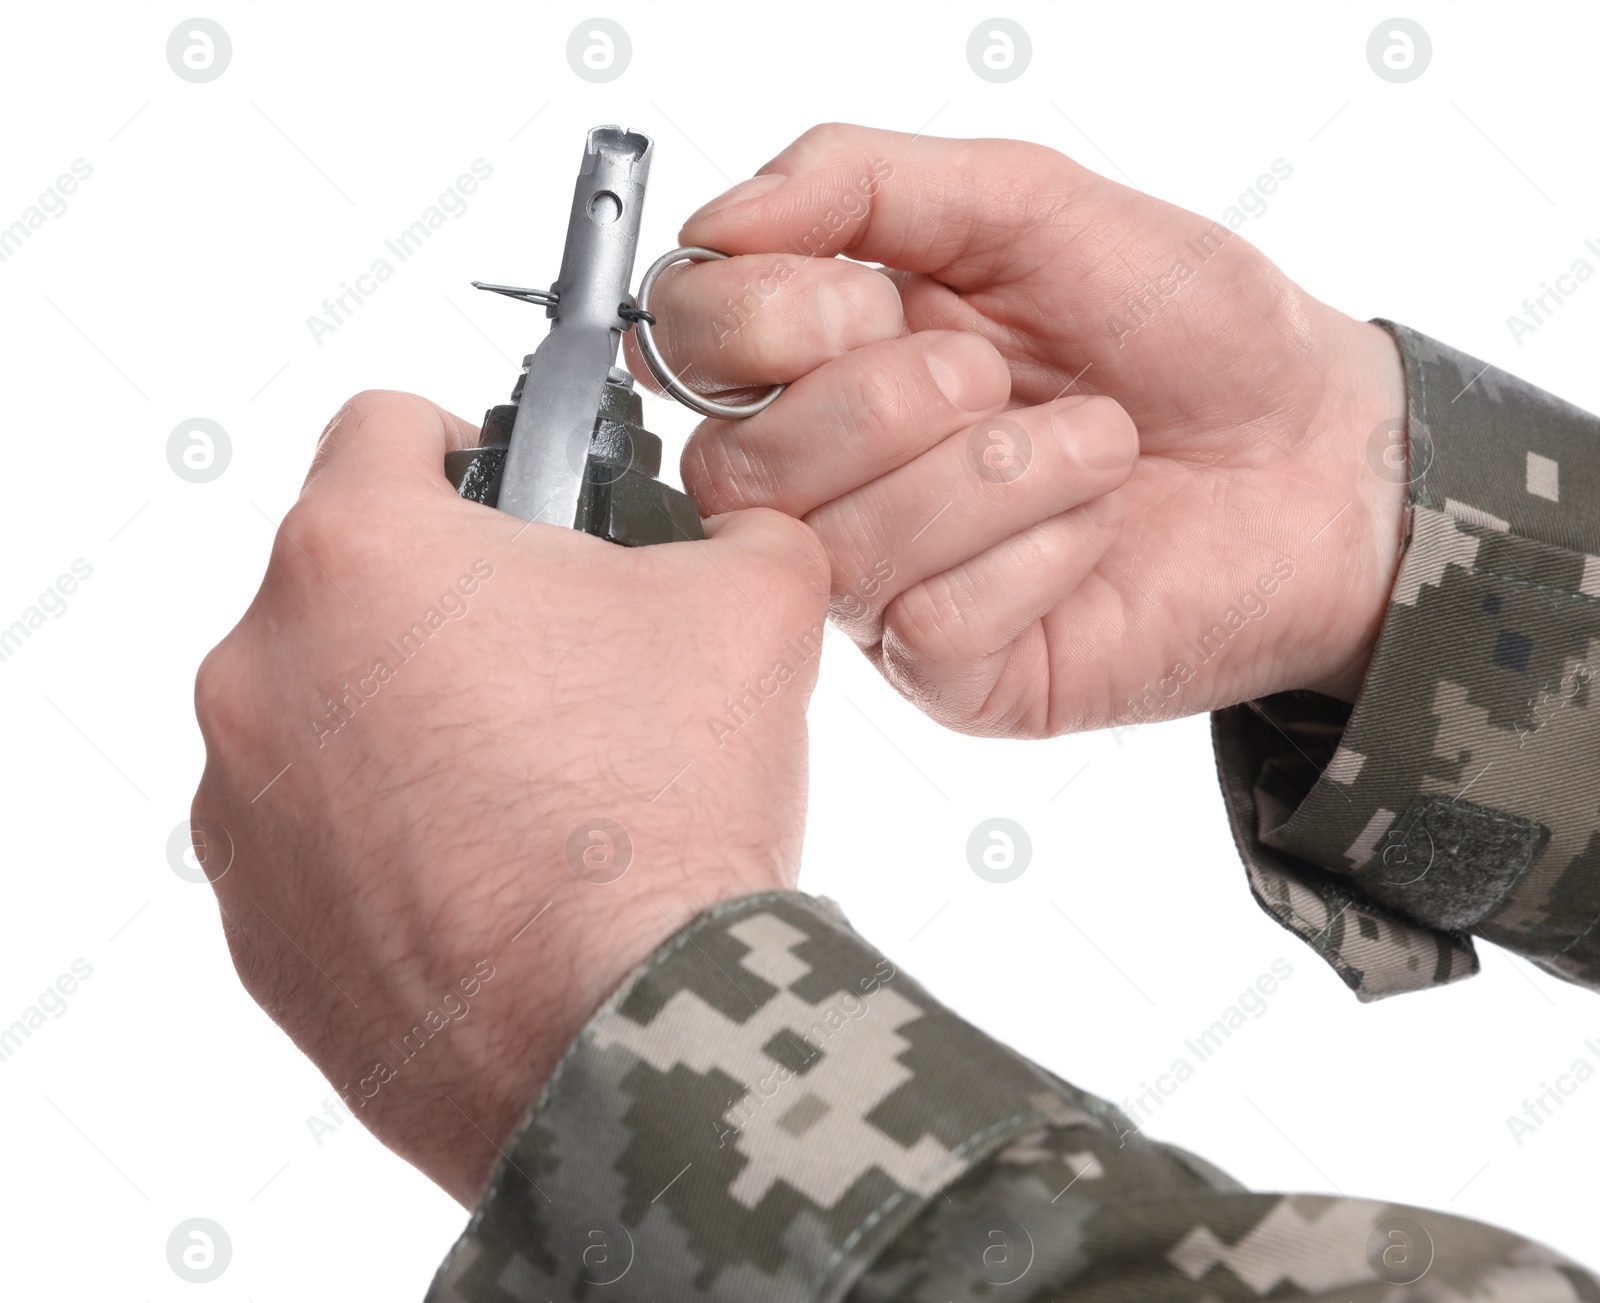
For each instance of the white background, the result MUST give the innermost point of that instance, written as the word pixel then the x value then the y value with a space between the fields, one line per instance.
pixel 178 283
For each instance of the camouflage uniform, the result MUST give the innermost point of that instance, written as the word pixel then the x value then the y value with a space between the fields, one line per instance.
pixel 768 1110
pixel 1457 797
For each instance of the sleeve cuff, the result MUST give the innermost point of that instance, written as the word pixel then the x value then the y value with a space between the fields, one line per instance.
pixel 757 1112
pixel 1460 795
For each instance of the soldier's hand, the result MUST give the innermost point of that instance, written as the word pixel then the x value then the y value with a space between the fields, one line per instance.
pixel 1004 546
pixel 462 774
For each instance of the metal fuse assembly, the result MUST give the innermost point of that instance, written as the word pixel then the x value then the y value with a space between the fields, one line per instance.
pixel 570 448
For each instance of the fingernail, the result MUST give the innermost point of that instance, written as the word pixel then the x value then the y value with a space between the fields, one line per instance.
pixel 1098 433
pixel 968 372
pixel 754 188
pixel 860 310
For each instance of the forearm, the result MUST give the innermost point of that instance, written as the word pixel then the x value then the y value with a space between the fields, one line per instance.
pixel 769 1108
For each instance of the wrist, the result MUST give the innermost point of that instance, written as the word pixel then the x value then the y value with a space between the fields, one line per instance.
pixel 552 981
pixel 1366 421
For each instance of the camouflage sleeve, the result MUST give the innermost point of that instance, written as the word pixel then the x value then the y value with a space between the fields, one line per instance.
pixel 1460 796
pixel 767 1109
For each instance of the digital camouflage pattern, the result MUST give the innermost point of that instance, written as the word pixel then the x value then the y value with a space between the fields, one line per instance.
pixel 1458 797
pixel 767 1110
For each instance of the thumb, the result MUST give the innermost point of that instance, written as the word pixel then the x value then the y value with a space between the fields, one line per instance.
pixel 967 212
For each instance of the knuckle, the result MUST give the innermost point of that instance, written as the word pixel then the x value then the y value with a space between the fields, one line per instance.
pixel 723 474
pixel 326 536
pixel 766 355
pixel 926 624
pixel 855 616
pixel 736 322
pixel 915 679
pixel 308 532
pixel 826 138
pixel 851 541
pixel 877 399
pixel 764 344
pixel 219 694
pixel 1048 165
pixel 954 696
pixel 858 306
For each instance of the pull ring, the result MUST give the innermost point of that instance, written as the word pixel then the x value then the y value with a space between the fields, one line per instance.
pixel 644 323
